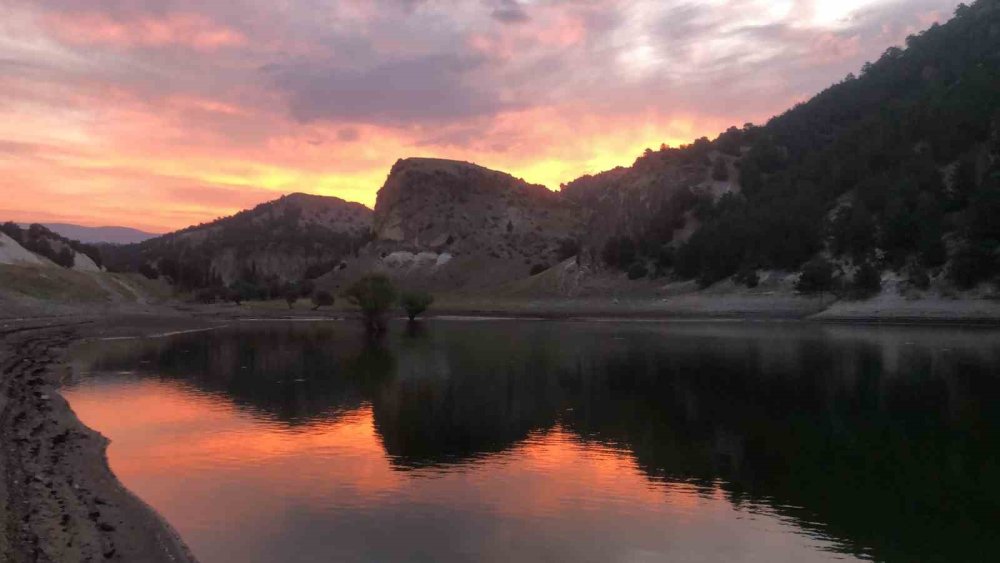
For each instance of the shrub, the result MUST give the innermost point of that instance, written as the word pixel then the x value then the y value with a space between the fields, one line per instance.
pixel 816 276
pixel 568 248
pixel 867 280
pixel 971 264
pixel 720 172
pixel 537 269
pixel 147 270
pixel 415 302
pixel 13 230
pixel 373 294
pixel 322 299
pixel 918 277
pixel 747 276
pixel 306 288
pixel 637 270
pixel 207 296
pixel 242 290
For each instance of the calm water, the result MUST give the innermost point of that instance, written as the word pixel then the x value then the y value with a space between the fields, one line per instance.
pixel 545 441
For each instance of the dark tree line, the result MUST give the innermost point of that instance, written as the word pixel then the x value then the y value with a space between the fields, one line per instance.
pixel 891 168
pixel 43 241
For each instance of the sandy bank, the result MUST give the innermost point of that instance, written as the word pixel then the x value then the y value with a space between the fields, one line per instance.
pixel 60 501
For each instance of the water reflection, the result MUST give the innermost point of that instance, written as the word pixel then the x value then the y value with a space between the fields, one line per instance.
pixel 767 442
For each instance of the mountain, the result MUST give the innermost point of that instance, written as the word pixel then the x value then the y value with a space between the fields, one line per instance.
pixel 295 237
pixel 896 169
pixel 96 235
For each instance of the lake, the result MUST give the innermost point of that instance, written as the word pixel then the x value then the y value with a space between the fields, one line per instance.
pixel 503 440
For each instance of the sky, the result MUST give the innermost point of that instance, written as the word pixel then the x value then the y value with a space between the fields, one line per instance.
pixel 162 114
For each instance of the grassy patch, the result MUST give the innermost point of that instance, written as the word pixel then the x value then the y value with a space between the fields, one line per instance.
pixel 49 283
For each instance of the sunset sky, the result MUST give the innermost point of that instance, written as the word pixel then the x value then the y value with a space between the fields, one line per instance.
pixel 157 115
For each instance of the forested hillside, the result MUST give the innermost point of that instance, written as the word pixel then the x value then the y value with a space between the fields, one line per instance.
pixel 261 250
pixel 896 168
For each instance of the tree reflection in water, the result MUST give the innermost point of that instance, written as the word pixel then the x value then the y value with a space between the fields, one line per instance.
pixel 883 438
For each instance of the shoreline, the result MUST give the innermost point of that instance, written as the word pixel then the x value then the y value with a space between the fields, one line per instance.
pixel 60 499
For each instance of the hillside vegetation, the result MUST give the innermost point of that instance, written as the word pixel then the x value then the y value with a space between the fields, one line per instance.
pixel 296 237
pixel 896 168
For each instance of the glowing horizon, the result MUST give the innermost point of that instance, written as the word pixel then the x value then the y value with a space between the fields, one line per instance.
pixel 161 116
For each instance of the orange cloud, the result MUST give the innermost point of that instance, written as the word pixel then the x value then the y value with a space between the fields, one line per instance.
pixel 188 30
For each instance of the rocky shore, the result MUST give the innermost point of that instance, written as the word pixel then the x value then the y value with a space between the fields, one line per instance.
pixel 59 501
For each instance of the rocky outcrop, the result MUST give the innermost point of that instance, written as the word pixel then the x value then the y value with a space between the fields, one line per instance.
pixel 445 224
pixel 436 204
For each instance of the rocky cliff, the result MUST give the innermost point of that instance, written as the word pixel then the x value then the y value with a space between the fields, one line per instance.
pixel 445 224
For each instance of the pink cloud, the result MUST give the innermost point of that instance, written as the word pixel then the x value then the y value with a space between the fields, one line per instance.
pixel 188 30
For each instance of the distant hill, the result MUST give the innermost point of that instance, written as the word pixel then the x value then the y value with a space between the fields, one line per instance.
pixel 295 237
pixel 93 235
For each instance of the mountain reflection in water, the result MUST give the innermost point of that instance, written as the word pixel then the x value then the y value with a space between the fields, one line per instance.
pixel 530 440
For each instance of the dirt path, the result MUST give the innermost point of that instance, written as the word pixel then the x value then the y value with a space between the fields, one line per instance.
pixel 59 501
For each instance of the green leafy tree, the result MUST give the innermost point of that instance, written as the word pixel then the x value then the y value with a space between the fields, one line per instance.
pixel 415 302
pixel 374 294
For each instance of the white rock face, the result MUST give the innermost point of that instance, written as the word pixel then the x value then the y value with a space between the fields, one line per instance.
pixel 427 260
pixel 83 263
pixel 13 253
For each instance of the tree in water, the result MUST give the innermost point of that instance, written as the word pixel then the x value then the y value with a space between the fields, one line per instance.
pixel 374 294
pixel 415 302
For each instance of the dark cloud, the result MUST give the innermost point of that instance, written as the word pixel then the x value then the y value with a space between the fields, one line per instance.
pixel 430 88
pixel 510 11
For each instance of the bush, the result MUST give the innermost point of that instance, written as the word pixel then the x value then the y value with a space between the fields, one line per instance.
pixel 13 230
pixel 747 276
pixel 971 264
pixel 816 276
pixel 373 294
pixel 148 271
pixel 867 281
pixel 568 248
pixel 637 270
pixel 207 296
pixel 291 296
pixel 322 299
pixel 306 288
pixel 918 277
pixel 416 302
pixel 537 269
pixel 720 171
pixel 241 291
